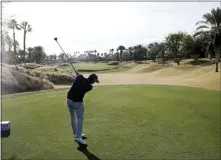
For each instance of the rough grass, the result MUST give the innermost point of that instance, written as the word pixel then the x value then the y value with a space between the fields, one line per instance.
pixel 32 65
pixel 53 74
pixel 14 81
pixel 128 122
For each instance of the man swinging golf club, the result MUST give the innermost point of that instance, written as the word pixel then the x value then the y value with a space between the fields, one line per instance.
pixel 80 86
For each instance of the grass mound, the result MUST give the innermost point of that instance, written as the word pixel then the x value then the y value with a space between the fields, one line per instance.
pixel 165 123
pixel 151 68
pixel 14 81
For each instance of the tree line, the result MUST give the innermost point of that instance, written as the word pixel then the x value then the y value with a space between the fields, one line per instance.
pixel 205 42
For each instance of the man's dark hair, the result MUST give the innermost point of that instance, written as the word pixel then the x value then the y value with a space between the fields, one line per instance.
pixel 93 77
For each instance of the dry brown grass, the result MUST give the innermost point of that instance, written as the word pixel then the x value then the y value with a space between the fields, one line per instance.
pixel 52 74
pixel 14 82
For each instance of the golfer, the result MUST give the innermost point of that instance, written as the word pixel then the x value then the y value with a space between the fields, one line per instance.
pixel 75 96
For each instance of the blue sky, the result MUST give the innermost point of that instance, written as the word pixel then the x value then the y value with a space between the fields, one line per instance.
pixel 82 26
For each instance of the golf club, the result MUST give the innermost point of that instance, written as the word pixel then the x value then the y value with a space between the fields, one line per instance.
pixel 56 39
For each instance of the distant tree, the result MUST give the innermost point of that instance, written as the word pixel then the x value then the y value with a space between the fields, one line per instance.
pixel 61 56
pixel 173 44
pixel 39 54
pixel 30 54
pixel 54 57
pixel 211 25
pixel 154 49
pixel 112 53
pixel 13 24
pixel 8 41
pixel 139 52
pixel 98 56
pixel 27 28
pixel 95 51
pixel 130 50
pixel 121 49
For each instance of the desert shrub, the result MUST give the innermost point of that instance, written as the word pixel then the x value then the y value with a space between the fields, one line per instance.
pixel 45 69
pixel 60 78
pixel 14 81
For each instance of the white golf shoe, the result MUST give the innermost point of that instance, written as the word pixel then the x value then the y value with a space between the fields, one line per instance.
pixel 82 135
pixel 80 140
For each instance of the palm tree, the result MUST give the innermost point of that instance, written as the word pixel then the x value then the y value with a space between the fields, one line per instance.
pixel 130 50
pixel 112 53
pixel 212 26
pixel 217 46
pixel 13 24
pixel 211 22
pixel 95 51
pixel 30 52
pixel 27 28
pixel 121 48
pixel 98 56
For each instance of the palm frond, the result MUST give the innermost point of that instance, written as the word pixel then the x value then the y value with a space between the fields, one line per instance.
pixel 202 27
pixel 209 18
pixel 200 33
pixel 18 27
pixel 203 22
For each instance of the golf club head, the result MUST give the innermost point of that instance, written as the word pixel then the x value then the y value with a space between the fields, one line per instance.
pixel 55 38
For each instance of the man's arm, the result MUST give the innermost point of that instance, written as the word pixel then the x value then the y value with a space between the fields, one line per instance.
pixel 89 88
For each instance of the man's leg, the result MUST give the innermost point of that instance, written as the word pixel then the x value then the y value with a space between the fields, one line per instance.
pixel 79 109
pixel 70 105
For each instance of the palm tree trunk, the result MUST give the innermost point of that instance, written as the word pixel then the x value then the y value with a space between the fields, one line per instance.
pixel 24 45
pixel 14 45
pixel 217 67
pixel 217 51
pixel 163 58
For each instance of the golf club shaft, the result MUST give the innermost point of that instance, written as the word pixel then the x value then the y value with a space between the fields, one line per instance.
pixel 67 57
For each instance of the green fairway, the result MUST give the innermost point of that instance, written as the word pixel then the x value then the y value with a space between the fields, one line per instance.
pixel 121 122
pixel 95 67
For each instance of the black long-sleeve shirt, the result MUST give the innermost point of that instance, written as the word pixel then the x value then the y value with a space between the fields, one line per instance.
pixel 78 89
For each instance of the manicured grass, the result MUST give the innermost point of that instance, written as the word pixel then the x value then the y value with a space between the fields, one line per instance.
pixel 96 67
pixel 121 122
pixel 87 66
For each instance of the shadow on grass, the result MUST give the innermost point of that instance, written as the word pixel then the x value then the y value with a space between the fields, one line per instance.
pixel 87 153
pixel 201 62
